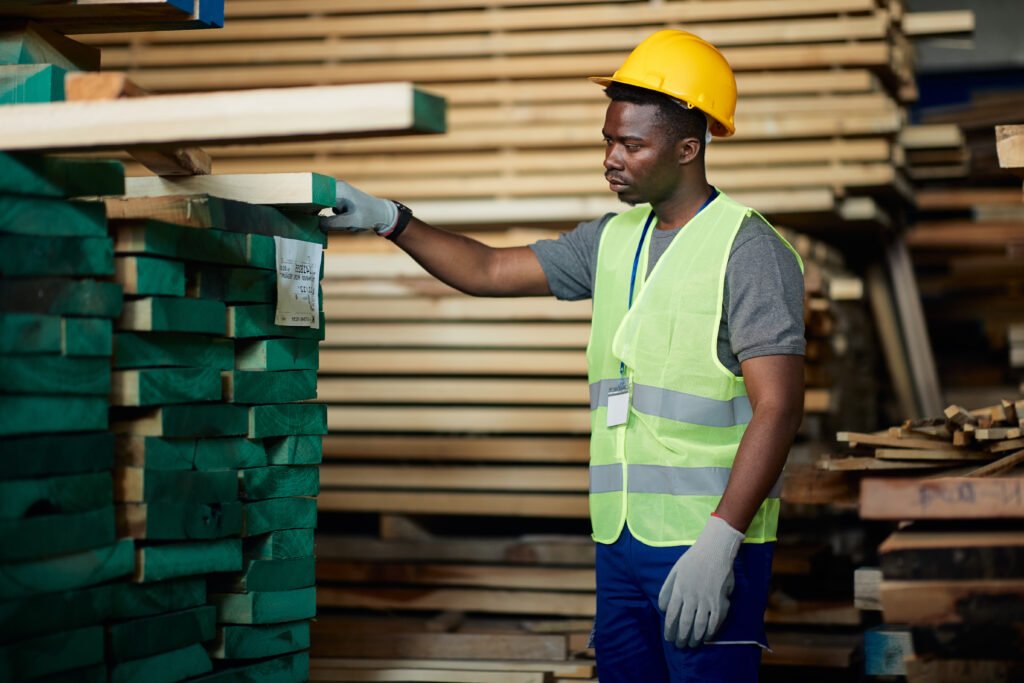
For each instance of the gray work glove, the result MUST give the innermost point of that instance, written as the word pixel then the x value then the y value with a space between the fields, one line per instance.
pixel 695 595
pixel 356 211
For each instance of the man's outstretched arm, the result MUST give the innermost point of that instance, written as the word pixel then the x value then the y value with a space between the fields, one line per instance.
pixel 464 263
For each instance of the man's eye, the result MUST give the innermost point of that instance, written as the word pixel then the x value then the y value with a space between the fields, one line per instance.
pixel 632 148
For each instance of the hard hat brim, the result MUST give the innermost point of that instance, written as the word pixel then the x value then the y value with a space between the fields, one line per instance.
pixel 718 129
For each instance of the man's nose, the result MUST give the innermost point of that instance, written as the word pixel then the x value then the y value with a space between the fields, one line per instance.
pixel 611 158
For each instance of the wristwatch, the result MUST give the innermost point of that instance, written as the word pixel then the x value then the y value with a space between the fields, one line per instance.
pixel 404 216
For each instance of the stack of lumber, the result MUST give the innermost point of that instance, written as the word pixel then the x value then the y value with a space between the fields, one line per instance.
pixel 218 444
pixel 57 534
pixel 823 91
pixel 104 16
pixel 952 570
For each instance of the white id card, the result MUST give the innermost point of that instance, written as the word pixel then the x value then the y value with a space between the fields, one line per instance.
pixel 618 404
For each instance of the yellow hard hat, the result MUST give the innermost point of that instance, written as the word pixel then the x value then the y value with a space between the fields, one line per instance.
pixel 686 67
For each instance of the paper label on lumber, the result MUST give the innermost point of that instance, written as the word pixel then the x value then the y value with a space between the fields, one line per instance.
pixel 298 272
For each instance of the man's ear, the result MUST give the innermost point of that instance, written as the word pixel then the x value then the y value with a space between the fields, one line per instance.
pixel 688 149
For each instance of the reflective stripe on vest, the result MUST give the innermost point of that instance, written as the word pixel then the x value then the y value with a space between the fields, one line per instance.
pixel 675 405
pixel 672 481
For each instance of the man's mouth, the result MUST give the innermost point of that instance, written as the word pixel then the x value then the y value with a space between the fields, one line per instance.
pixel 615 183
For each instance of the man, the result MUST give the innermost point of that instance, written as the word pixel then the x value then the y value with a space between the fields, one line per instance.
pixel 695 368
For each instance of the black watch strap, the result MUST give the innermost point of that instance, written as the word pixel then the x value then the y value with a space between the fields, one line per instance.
pixel 404 216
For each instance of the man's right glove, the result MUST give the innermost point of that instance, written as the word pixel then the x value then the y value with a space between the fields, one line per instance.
pixel 356 211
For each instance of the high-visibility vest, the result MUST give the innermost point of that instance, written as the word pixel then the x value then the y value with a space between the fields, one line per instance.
pixel 664 471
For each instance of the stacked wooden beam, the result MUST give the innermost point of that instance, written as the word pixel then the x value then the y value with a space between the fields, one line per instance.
pixel 89 16
pixel 57 533
pixel 218 448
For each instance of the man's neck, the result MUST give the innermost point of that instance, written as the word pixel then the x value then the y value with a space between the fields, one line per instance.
pixel 676 211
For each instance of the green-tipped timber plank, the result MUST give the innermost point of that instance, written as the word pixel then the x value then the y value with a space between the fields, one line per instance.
pixel 37 456
pixel 87 298
pixel 22 256
pixel 179 521
pixel 279 386
pixel 253 642
pixel 173 314
pixel 31 83
pixel 146 276
pixel 152 635
pixel 295 450
pixel 162 386
pixel 204 211
pixel 294 194
pixel 45 414
pixel 265 607
pixel 36 538
pixel 137 485
pixel 156 238
pixel 147 350
pixel 184 421
pixel 29 617
pixel 38 217
pixel 288 669
pixel 97 673
pixel 45 176
pixel 32 43
pixel 154 453
pixel 260 483
pixel 286 419
pixel 268 575
pixel 55 375
pixel 276 514
pixel 257 320
pixel 234 285
pixel 51 654
pixel 78 570
pixel 277 354
pixel 173 560
pixel 90 337
pixel 133 600
pixel 279 545
pixel 56 495
pixel 166 667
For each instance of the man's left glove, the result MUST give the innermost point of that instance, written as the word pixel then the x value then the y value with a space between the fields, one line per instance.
pixel 695 595
pixel 357 211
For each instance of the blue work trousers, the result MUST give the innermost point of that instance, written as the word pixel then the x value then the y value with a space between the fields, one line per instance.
pixel 629 628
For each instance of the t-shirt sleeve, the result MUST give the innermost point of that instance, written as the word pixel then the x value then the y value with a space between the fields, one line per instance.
pixel 569 262
pixel 766 297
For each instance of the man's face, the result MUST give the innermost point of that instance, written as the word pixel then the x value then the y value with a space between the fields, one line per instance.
pixel 640 161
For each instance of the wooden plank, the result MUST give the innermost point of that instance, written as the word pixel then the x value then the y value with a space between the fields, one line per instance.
pixel 822 650
pixel 55 375
pixel 179 664
pixel 249 642
pixel 477 576
pixel 137 485
pixel 234 285
pixel 42 176
pixel 280 545
pixel 557 666
pixel 278 514
pixel 160 386
pixel 59 495
pixel 211 118
pixel 885 648
pixel 29 333
pixel 61 297
pixel 857 439
pixel 132 600
pixel 258 483
pixel 52 654
pixel 943 498
pixel 302 449
pixel 151 635
pixel 1001 465
pixel 170 314
pixel 287 669
pixel 269 575
pixel 185 421
pixel 87 337
pixel 195 558
pixel 442 448
pixel 421 335
pixel 277 354
pixel 144 276
pixel 472 420
pixel 920 670
pixel 30 617
pixel 461 391
pixel 265 607
pixel 257 386
pixel 484 600
pixel 45 414
pixel 867 463
pixel 992 556
pixel 438 675
pixel 1010 146
pixel 38 456
pixel 415 502
pixel 68 572
pixel 932 454
pixel 307 192
pixel 31 83
pixel 42 536
pixel 257 320
pixel 496 478
pixel 142 350
pixel 156 238
pixel 286 419
pixel 947 602
pixel 445 308
pixel 26 42
pixel 547 550
pixel 39 217
pixel 539 362
pixel 178 521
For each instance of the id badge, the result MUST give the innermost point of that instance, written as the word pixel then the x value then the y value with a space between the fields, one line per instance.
pixel 618 404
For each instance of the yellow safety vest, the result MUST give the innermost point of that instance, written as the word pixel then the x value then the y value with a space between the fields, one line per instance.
pixel 664 471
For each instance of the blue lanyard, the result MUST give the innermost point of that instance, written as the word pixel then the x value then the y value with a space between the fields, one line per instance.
pixel 640 247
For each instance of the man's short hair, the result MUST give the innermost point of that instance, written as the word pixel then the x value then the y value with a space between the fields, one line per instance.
pixel 679 121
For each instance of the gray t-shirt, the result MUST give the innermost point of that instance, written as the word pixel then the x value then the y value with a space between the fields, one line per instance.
pixel 763 305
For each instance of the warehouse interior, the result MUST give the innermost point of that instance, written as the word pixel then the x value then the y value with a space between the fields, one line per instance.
pixel 234 447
